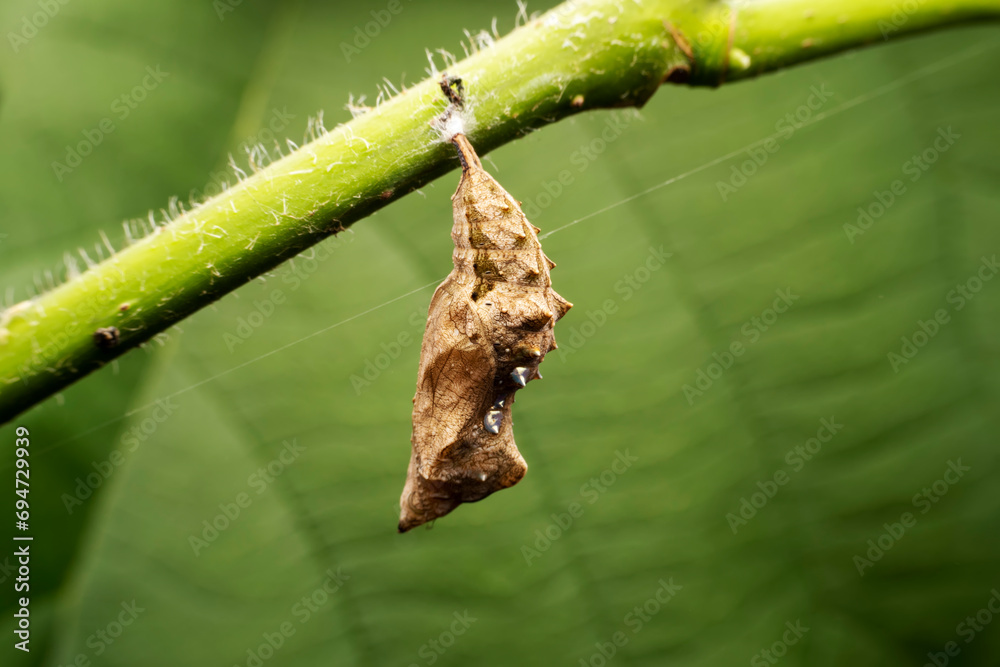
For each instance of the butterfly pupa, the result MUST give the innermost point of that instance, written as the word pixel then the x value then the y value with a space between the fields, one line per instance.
pixel 489 326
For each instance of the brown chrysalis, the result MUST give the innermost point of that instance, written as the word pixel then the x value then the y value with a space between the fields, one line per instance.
pixel 488 328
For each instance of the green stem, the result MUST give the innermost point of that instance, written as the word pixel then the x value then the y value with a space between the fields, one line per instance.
pixel 584 54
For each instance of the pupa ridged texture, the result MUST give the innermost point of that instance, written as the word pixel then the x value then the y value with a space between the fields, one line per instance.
pixel 488 328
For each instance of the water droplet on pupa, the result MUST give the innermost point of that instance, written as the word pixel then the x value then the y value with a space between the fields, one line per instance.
pixel 521 375
pixel 492 421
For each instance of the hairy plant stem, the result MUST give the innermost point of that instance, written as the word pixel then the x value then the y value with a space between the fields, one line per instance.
pixel 584 54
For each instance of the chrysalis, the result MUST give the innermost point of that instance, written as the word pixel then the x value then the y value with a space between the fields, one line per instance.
pixel 488 328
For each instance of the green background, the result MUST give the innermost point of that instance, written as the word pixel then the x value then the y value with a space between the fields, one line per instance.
pixel 618 387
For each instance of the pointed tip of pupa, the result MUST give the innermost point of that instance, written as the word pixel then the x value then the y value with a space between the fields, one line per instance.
pixel 562 306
